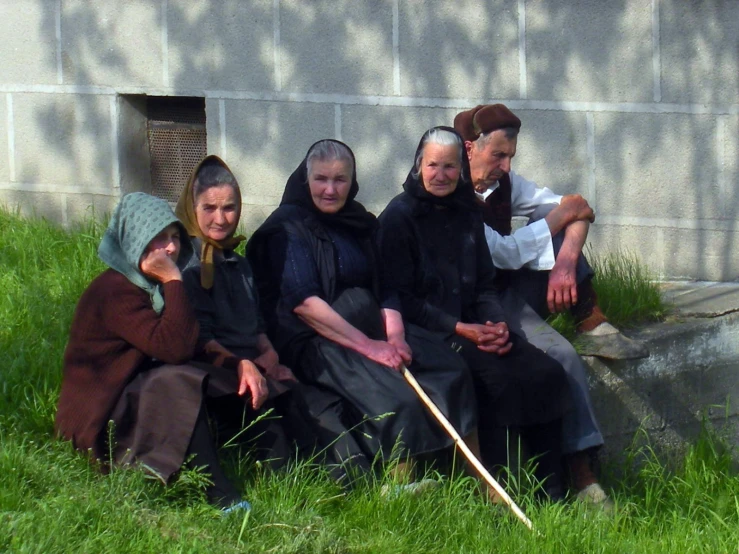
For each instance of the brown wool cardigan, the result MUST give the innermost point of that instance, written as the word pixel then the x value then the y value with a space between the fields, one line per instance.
pixel 115 333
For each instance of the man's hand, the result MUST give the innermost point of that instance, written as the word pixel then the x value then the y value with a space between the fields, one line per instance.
pixel 159 266
pixel 251 381
pixel 562 289
pixel 577 208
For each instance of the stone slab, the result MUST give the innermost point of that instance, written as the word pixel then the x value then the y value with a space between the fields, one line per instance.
pixel 224 45
pixel 689 378
pixel 63 139
pixel 552 150
pixel 699 47
pixel 729 166
pixel 336 46
pixel 465 49
pixel 589 50
pixel 657 165
pixel 266 141
pixel 112 43
pixel 701 298
pixel 384 141
pixel 28 42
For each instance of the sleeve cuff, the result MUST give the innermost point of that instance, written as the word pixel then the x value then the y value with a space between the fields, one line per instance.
pixel 542 239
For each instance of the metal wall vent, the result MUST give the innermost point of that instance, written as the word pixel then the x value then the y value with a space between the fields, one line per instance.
pixel 177 142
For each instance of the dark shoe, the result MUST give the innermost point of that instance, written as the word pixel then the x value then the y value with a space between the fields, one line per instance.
pixel 605 341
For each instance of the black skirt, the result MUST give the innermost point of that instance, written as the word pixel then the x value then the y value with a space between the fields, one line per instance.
pixel 384 412
pixel 524 387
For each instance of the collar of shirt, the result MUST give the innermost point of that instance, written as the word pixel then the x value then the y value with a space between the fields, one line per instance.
pixel 488 192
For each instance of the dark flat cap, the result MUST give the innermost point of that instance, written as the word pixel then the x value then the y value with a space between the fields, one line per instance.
pixel 484 119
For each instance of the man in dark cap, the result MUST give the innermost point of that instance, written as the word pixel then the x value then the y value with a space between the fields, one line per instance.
pixel 543 271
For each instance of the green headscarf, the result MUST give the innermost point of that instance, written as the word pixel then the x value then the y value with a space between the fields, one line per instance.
pixel 137 220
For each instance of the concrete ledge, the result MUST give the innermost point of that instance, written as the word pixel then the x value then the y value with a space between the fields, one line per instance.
pixel 691 376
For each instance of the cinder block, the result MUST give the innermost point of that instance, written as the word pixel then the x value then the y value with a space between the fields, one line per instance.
pixel 384 140
pixel 699 46
pixel 464 49
pixel 112 43
pixel 63 139
pixel 701 254
pixel 213 126
pixel 35 204
pixel 28 42
pixel 4 154
pixel 83 207
pixel 266 141
pixel 643 242
pixel 656 165
pixel 589 50
pixel 253 215
pixel 134 159
pixel 336 46
pixel 552 150
pixel 224 45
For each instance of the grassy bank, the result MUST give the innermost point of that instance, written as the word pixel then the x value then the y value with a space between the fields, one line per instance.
pixel 51 500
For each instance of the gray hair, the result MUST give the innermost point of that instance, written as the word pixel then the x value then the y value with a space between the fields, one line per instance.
pixel 329 150
pixel 441 137
pixel 509 132
pixel 211 175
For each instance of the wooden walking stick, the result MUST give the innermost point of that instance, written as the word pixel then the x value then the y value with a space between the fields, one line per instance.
pixel 489 479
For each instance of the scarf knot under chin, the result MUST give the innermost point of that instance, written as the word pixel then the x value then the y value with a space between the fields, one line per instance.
pixel 186 212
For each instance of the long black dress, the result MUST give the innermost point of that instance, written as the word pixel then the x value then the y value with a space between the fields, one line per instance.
pixel 434 255
pixel 299 253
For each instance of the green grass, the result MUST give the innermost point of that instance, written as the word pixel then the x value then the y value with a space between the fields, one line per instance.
pixel 52 500
pixel 627 293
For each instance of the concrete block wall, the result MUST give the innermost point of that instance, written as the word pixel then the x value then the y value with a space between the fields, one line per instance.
pixel 634 104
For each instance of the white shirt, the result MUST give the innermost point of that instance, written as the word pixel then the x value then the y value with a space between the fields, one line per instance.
pixel 529 246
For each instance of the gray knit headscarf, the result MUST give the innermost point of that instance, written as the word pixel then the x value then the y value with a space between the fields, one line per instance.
pixel 137 220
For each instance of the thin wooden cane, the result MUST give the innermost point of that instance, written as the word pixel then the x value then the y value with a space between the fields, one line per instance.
pixel 464 448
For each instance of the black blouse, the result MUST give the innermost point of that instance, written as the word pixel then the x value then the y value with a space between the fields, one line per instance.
pixel 437 260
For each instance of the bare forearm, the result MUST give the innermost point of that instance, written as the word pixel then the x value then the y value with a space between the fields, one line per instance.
pixel 329 324
pixel 573 243
pixel 393 323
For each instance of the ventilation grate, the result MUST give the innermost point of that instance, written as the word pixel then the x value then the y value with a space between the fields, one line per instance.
pixel 177 142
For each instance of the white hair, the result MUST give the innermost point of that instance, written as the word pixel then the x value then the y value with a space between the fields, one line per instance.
pixel 329 150
pixel 442 137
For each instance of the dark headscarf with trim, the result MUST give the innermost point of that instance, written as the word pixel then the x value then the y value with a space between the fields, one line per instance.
pixel 186 212
pixel 352 217
pixel 463 196
pixel 137 220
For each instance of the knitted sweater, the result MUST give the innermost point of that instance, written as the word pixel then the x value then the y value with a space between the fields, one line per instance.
pixel 116 333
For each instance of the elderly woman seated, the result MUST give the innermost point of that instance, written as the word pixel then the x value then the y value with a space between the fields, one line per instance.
pixel 132 331
pixel 221 287
pixel 315 266
pixel 434 253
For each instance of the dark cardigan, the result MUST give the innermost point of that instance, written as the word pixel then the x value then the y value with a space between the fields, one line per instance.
pixel 437 259
pixel 116 333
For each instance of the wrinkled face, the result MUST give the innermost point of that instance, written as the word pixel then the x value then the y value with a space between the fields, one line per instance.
pixel 490 162
pixel 217 212
pixel 440 169
pixel 168 240
pixel 329 182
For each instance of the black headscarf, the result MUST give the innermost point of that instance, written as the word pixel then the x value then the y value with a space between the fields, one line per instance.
pixel 463 196
pixel 352 217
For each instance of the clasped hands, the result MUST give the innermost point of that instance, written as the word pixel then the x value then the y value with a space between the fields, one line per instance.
pixel 491 337
pixel 393 353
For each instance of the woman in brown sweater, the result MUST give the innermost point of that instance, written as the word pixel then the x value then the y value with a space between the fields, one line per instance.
pixel 132 331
